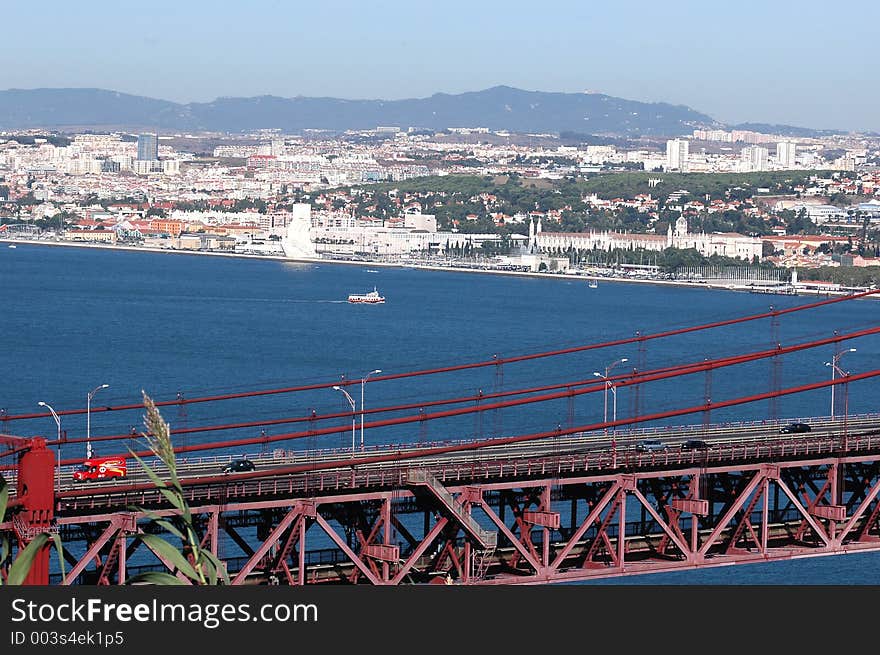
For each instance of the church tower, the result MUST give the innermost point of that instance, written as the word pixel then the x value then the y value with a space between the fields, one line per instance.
pixel 681 227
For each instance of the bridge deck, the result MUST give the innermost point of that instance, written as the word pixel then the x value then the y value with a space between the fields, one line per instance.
pixel 524 513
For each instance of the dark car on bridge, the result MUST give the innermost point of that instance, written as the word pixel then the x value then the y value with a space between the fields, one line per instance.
pixel 239 465
pixel 694 444
pixel 795 428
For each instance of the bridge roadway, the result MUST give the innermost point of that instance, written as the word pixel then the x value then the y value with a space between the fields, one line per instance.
pixel 292 473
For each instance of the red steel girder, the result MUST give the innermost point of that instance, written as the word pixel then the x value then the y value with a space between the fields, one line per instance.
pixel 638 552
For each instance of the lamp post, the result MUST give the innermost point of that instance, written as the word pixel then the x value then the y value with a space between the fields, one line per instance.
pixel 350 402
pixel 58 423
pixel 605 413
pixel 363 384
pixel 607 385
pixel 89 418
pixel 836 369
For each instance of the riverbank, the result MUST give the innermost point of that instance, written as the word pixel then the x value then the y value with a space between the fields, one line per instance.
pixel 725 285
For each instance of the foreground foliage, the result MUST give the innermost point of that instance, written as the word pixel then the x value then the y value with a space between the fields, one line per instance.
pixel 198 564
pixel 21 565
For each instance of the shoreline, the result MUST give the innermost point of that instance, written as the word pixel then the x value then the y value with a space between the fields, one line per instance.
pixel 704 284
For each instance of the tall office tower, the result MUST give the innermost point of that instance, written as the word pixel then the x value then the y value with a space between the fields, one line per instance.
pixel 148 147
pixel 785 152
pixel 677 154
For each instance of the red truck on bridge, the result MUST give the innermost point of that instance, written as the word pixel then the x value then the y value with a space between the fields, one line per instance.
pixel 100 468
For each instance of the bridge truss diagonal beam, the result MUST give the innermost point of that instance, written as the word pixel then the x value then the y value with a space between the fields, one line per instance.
pixel 859 513
pixel 524 550
pixel 269 542
pixel 588 521
pixel 357 561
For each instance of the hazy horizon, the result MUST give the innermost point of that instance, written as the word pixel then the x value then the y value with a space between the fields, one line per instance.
pixel 795 63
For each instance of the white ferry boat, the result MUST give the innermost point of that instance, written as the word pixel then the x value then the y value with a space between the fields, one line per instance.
pixel 372 297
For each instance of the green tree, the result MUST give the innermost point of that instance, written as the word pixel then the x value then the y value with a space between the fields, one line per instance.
pixel 800 223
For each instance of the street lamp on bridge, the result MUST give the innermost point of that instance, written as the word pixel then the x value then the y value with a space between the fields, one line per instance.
pixel 58 423
pixel 836 369
pixel 363 384
pixel 353 410
pixel 89 418
pixel 608 385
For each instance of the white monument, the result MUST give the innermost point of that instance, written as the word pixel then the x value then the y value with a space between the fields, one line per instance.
pixel 297 242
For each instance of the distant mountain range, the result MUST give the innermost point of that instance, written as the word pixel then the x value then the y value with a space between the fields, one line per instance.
pixel 498 108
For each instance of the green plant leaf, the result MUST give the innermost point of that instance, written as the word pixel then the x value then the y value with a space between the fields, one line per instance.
pixel 156 577
pixel 25 560
pixel 4 553
pixel 160 443
pixel 168 525
pixel 171 554
pixel 159 482
pixel 174 498
pixel 191 537
pixel 200 570
pixel 187 514
pixel 4 497
pixel 150 514
pixel 56 539
pixel 173 495
pixel 218 566
pixel 207 568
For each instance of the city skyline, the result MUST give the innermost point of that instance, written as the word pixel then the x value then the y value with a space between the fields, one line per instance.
pixel 797 64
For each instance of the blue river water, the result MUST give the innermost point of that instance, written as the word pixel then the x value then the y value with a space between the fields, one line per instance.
pixel 74 318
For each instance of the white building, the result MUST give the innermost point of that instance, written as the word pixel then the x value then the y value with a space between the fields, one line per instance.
pixel 821 214
pixel 82 166
pixel 785 154
pixel 600 154
pixel 147 166
pixel 306 238
pixel 727 244
pixel 419 221
pixel 677 155
pixel 755 158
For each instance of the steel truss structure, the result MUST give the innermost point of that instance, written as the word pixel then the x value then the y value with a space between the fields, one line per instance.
pixel 535 525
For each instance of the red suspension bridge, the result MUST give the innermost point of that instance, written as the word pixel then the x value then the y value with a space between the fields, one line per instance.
pixel 606 498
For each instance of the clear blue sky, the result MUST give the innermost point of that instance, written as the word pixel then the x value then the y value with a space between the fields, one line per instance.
pixel 800 62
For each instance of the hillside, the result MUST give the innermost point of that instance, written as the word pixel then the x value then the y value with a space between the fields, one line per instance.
pixel 498 108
